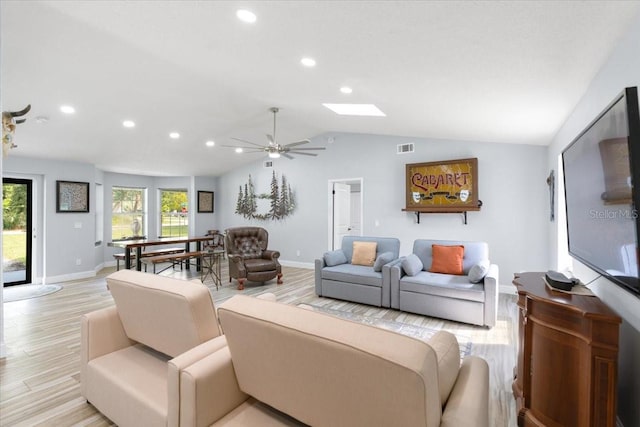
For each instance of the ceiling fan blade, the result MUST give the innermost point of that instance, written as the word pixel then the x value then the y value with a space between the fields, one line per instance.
pixel 244 147
pixel 303 153
pixel 248 142
pixel 293 144
pixel 311 148
pixel 270 139
pixel 287 156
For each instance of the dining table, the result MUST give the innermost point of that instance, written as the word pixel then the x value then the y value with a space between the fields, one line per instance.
pixel 139 244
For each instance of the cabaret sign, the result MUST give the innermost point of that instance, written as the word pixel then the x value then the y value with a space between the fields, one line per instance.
pixel 442 185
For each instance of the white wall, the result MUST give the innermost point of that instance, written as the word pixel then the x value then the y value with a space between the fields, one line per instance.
pixel 622 69
pixel 58 242
pixel 513 219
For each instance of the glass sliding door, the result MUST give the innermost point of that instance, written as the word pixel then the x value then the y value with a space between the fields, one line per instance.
pixel 16 231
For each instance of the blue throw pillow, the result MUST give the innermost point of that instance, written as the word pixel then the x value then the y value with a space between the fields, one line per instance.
pixel 412 265
pixel 334 258
pixel 478 271
pixel 382 259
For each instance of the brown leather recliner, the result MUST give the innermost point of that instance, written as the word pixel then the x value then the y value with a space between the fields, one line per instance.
pixel 248 256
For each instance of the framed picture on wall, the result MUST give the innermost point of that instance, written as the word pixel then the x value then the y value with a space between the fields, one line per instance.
pixel 72 196
pixel 442 186
pixel 205 201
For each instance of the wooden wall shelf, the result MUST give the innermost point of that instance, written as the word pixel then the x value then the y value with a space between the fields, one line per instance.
pixel 462 211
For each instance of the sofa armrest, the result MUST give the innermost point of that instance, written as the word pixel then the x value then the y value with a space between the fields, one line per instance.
pixel 269 254
pixel 209 390
pixel 468 403
pixel 236 266
pixel 395 274
pixel 101 332
pixel 320 264
pixel 176 365
pixel 386 282
pixel 491 288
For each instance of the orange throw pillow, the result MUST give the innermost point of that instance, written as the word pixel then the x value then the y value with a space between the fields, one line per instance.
pixel 447 259
pixel 364 253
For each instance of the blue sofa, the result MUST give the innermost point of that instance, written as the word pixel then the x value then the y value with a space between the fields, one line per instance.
pixel 362 284
pixel 452 297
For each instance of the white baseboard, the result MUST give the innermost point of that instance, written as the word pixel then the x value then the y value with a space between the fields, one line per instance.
pixel 507 289
pixel 298 264
pixel 69 277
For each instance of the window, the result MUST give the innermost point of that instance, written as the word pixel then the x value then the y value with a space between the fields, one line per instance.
pixel 129 217
pixel 174 213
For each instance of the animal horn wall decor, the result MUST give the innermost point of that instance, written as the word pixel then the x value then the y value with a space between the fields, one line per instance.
pixel 9 123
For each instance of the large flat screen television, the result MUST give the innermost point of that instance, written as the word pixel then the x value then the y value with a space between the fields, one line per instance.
pixel 601 167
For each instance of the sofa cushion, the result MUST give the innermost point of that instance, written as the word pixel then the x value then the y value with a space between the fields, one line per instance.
pixel 169 315
pixel 412 265
pixel 382 259
pixel 350 273
pixel 134 377
pixel 445 285
pixel 260 264
pixel 478 271
pixel 447 259
pixel 364 253
pixel 352 374
pixel 336 257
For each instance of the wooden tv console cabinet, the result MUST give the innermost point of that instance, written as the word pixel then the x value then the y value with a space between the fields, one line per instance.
pixel 566 373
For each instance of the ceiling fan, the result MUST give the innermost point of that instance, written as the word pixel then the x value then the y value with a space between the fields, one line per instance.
pixel 273 148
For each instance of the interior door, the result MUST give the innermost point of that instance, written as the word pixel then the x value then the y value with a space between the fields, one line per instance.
pixel 16 231
pixel 341 213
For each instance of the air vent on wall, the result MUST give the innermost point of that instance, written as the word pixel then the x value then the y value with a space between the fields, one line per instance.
pixel 405 148
pixel 268 164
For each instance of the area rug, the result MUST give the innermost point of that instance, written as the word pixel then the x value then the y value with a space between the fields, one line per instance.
pixel 21 292
pixel 414 331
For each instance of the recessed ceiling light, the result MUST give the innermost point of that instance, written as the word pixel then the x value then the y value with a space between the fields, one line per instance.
pixel 67 109
pixel 239 150
pixel 346 89
pixel 128 124
pixel 308 62
pixel 174 135
pixel 355 110
pixel 246 16
pixel 210 143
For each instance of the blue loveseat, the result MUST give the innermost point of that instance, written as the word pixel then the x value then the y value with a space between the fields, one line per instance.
pixel 455 297
pixel 336 277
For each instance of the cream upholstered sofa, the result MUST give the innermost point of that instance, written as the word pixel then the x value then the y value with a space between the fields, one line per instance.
pixel 449 296
pixel 326 371
pixel 276 365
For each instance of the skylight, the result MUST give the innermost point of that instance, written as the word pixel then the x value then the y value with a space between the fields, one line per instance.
pixel 355 110
pixel 246 16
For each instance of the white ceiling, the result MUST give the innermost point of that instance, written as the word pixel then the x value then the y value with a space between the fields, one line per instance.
pixel 482 71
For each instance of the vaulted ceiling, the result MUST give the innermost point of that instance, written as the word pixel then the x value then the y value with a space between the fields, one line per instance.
pixel 503 71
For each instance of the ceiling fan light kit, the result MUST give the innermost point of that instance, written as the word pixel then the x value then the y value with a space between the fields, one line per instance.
pixel 273 149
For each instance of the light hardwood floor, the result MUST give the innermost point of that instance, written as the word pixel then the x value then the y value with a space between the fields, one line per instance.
pixel 39 378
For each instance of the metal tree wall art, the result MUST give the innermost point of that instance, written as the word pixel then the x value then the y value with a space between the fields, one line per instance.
pixel 281 200
pixel 9 127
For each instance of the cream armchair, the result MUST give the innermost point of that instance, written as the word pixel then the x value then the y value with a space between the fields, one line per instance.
pixel 134 355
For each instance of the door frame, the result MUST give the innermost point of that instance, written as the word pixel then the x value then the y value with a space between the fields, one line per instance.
pixel 29 227
pixel 349 181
